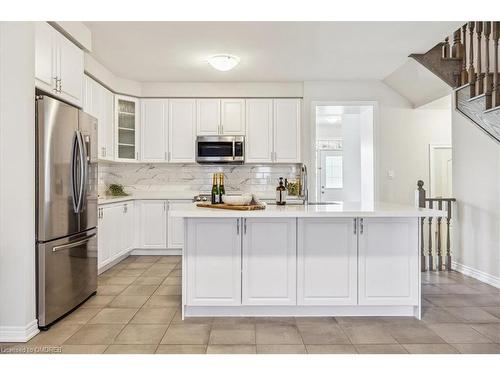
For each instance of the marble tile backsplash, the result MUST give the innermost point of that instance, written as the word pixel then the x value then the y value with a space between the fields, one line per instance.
pixel 140 178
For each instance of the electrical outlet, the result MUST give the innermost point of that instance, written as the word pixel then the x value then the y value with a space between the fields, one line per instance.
pixel 391 174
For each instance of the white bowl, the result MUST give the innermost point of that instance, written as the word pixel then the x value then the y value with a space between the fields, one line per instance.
pixel 237 200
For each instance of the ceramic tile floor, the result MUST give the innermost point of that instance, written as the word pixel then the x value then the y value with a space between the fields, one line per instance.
pixel 137 310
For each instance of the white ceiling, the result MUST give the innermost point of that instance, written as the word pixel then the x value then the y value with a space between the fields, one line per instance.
pixel 269 51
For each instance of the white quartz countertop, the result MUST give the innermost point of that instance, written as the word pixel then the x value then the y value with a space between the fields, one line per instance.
pixel 168 195
pixel 344 209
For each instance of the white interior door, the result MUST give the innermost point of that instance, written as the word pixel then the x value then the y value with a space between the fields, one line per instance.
pixel 441 171
pixel 331 184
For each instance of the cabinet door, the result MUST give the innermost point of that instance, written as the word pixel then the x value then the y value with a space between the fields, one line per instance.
pixel 104 237
pixel 213 262
pixel 127 228
pixel 182 130
pixel 176 226
pixel 126 120
pixel 327 261
pixel 70 62
pixel 287 130
pixel 269 262
pixel 259 131
pixel 45 51
pixel 388 261
pixel 153 224
pixel 107 124
pixel 233 116
pixel 207 116
pixel 154 130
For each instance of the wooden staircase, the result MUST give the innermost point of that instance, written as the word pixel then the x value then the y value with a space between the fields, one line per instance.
pixel 470 66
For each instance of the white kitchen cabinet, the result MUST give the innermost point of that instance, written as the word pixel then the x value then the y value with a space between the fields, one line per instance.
pixel 176 226
pixel 154 130
pixel 213 258
pixel 269 261
pixel 182 130
pixel 207 116
pixel 327 261
pixel 58 64
pixel 388 261
pixel 286 130
pixel 152 224
pixel 99 102
pixel 127 128
pixel 115 231
pixel 232 116
pixel 259 131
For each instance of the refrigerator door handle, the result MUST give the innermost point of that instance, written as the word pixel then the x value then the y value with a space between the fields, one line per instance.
pixel 74 146
pixel 73 244
pixel 83 171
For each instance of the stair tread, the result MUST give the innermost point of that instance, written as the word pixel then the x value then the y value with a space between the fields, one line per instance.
pixel 492 109
pixel 476 97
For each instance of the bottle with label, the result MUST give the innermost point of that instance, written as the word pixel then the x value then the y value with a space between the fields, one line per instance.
pixel 281 193
pixel 222 189
pixel 215 190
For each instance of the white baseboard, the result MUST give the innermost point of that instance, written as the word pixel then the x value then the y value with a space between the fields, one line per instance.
pixel 476 274
pixel 114 262
pixel 19 334
pixel 156 252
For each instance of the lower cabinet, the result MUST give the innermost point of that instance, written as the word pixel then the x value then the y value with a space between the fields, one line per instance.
pixel 327 260
pixel 388 261
pixel 269 261
pixel 115 231
pixel 152 224
pixel 176 226
pixel 213 262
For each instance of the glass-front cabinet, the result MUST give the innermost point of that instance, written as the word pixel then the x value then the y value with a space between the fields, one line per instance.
pixel 127 128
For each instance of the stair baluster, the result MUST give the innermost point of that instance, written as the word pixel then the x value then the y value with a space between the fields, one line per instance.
pixel 488 84
pixel 479 67
pixel 496 89
pixel 439 254
pixel 464 78
pixel 430 256
pixel 457 48
pixel 445 50
pixel 472 73
pixel 448 239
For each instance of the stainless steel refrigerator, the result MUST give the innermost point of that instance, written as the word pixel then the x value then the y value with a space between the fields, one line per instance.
pixel 66 208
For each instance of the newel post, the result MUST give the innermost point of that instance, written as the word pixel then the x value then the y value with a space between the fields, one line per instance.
pixel 420 202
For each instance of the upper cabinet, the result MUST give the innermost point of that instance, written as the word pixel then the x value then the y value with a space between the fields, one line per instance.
pixel 287 130
pixel 273 130
pixel 220 116
pixel 259 131
pixel 58 64
pixel 232 116
pixel 127 134
pixel 208 117
pixel 99 102
pixel 154 130
pixel 182 130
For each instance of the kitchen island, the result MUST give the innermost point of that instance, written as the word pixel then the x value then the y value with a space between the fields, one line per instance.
pixel 346 259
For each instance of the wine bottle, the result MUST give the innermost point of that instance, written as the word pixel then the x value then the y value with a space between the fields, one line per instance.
pixel 281 193
pixel 215 190
pixel 222 189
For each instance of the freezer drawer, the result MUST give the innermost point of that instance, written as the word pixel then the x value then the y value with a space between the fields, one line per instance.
pixel 67 274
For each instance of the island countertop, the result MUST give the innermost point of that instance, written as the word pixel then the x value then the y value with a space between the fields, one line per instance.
pixel 341 209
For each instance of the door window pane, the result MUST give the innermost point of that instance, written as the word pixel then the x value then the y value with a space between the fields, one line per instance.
pixel 333 172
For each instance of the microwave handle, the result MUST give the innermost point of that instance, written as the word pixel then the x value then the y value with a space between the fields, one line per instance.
pixel 234 150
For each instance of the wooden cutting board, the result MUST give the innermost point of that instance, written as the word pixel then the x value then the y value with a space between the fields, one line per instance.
pixel 224 206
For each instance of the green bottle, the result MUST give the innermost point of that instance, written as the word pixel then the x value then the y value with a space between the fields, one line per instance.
pixel 222 190
pixel 215 190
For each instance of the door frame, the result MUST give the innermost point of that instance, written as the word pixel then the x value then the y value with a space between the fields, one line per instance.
pixel 432 148
pixel 313 159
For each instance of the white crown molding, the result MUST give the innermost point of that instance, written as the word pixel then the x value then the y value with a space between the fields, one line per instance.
pixel 476 274
pixel 19 334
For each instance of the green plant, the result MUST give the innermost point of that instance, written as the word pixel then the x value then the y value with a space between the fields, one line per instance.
pixel 116 190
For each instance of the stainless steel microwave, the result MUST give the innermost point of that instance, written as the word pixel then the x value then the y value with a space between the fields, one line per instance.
pixel 220 149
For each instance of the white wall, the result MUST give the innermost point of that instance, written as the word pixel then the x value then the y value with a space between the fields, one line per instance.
pixel 402 134
pixel 476 186
pixel 17 182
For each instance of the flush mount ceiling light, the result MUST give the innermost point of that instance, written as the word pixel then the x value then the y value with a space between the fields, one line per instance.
pixel 223 62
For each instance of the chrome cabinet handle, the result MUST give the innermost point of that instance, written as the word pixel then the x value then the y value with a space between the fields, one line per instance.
pixel 245 225
pixel 354 222
pixel 361 226
pixel 125 208
pixel 237 226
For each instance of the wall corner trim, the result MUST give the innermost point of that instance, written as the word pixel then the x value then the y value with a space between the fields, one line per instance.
pixel 476 274
pixel 19 334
